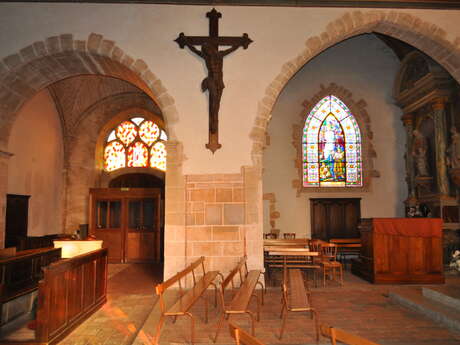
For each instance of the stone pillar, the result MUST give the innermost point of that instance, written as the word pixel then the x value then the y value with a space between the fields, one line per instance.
pixel 175 258
pixel 439 118
pixel 408 121
pixel 4 158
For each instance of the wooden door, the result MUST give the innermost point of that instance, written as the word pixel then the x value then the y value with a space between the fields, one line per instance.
pixel 143 229
pixel 127 220
pixel 335 217
pixel 17 210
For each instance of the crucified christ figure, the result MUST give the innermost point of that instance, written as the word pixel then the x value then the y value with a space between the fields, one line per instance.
pixel 214 82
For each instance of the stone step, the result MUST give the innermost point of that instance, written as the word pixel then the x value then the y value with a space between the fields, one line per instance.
pixel 413 298
pixel 447 295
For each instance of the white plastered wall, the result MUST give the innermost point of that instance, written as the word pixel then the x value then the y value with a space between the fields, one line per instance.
pixel 147 32
pixel 37 165
pixel 366 67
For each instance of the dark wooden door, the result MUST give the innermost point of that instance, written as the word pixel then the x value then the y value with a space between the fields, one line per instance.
pixel 127 220
pixel 17 212
pixel 335 217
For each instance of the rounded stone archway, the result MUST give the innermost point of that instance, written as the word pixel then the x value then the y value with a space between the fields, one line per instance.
pixel 408 28
pixel 43 63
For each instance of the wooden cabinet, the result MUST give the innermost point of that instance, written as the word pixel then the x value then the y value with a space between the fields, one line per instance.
pixel 413 255
pixel 17 212
pixel 128 221
pixel 335 217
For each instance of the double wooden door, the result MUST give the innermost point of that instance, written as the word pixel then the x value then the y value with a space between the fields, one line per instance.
pixel 128 221
pixel 335 217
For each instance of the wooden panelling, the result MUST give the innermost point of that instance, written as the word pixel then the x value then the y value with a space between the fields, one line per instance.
pixel 70 291
pixel 393 259
pixel 21 272
pixel 335 217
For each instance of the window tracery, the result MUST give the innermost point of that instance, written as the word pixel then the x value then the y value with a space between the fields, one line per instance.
pixel 136 142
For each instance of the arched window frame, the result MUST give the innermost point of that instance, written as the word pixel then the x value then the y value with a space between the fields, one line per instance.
pixel 107 129
pixel 357 108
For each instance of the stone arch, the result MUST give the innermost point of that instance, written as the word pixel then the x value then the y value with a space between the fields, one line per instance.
pixel 423 35
pixel 84 169
pixel 45 62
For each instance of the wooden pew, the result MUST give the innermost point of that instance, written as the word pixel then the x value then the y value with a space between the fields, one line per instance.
pixel 296 298
pixel 271 261
pixel 241 337
pixel 347 247
pixel 337 334
pixel 21 271
pixel 291 257
pixel 187 298
pixel 70 291
pixel 240 301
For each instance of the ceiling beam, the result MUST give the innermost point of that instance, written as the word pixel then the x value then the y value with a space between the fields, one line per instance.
pixel 423 4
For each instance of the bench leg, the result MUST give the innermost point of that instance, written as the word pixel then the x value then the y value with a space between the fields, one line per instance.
pixel 205 307
pixel 284 313
pixel 262 292
pixel 258 306
pixel 253 328
pixel 158 332
pixel 219 325
pixel 315 316
pixel 282 308
pixel 192 328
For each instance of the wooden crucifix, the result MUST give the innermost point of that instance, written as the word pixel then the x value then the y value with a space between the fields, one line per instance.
pixel 213 57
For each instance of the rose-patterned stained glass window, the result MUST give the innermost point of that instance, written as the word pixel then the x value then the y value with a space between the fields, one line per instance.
pixel 135 143
pixel 331 146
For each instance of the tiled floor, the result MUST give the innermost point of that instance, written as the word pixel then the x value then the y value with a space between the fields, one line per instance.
pixel 359 307
pixel 131 297
pixel 130 317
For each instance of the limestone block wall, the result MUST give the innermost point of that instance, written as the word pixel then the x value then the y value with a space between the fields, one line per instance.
pixel 211 215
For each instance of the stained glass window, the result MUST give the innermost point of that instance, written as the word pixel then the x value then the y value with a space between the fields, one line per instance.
pixel 135 143
pixel 126 132
pixel 149 132
pixel 114 156
pixel 158 156
pixel 331 146
pixel 138 155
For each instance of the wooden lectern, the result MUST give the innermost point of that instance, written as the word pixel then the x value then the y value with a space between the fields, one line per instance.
pixel 400 251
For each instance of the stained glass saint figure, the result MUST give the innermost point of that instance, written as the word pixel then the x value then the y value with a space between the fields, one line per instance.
pixel 331 146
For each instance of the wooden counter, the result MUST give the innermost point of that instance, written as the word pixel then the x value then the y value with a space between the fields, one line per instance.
pixel 400 251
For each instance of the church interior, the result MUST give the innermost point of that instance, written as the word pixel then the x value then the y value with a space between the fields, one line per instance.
pixel 163 158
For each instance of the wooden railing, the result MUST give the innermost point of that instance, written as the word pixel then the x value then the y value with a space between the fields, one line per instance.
pixel 20 273
pixel 71 290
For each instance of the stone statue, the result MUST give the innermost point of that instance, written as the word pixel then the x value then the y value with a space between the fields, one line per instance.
pixel 453 151
pixel 419 152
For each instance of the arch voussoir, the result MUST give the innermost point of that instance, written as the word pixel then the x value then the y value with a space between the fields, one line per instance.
pixel 423 35
pixel 43 63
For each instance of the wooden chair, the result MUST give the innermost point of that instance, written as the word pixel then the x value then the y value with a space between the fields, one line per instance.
pixel 330 263
pixel 241 337
pixel 270 236
pixel 337 334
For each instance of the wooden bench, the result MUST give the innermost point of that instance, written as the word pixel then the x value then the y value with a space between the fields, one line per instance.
pixel 337 334
pixel 188 297
pixel 271 261
pixel 296 298
pixel 240 301
pixel 241 337
pixel 291 257
pixel 347 247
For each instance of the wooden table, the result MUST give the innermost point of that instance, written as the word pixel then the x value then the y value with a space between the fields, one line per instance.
pixel 293 258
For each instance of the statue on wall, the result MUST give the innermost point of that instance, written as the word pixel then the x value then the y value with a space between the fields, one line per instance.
pixel 453 151
pixel 419 152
